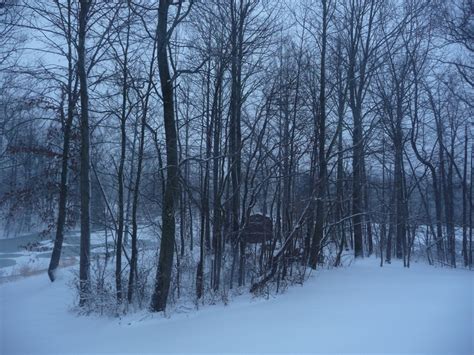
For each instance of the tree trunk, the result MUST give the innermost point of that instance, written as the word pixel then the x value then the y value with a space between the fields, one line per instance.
pixel 465 195
pixel 120 174
pixel 63 189
pixel 85 190
pixel 217 210
pixel 368 222
pixel 165 263
pixel 321 185
pixel 357 185
pixel 136 193
pixel 449 208
pixel 236 38
pixel 399 192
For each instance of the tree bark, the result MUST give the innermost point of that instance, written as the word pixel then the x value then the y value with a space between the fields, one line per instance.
pixel 465 195
pixel 85 190
pixel 120 174
pixel 165 263
pixel 63 189
pixel 321 184
pixel 237 19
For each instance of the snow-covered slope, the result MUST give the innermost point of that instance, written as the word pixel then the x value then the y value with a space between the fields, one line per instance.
pixel 363 308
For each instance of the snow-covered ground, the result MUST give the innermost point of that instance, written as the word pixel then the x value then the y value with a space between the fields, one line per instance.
pixel 361 308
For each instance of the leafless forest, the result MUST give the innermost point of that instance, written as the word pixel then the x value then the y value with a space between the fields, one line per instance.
pixel 226 145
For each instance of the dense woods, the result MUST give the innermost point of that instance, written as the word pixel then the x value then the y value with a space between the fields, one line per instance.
pixel 234 145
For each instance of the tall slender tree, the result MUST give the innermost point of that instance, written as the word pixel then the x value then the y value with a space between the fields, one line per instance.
pixel 85 188
pixel 165 262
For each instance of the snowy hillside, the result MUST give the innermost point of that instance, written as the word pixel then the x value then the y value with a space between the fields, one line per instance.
pixel 363 308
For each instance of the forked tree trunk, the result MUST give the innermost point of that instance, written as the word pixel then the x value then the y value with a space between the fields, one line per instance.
pixel 63 189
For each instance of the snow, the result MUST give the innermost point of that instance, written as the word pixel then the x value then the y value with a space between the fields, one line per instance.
pixel 361 308
pixel 17 260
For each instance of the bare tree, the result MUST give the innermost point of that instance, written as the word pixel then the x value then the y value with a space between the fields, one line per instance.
pixel 163 34
pixel 84 270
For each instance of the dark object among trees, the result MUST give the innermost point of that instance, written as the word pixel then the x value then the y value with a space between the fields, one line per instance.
pixel 259 229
